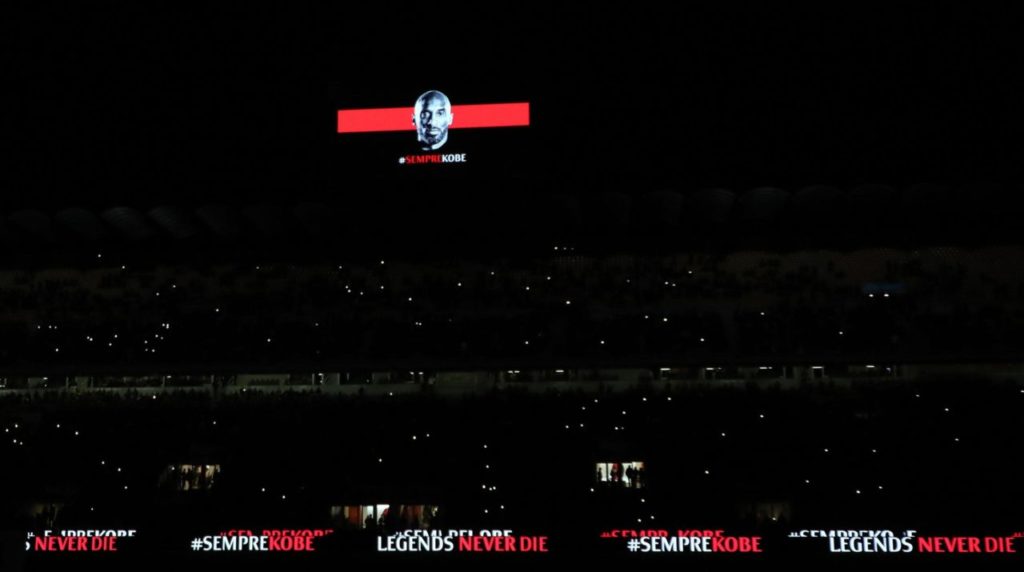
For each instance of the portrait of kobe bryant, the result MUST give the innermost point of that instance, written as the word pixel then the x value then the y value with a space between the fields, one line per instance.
pixel 432 116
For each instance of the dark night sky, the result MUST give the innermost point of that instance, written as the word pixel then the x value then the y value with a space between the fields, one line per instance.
pixel 144 106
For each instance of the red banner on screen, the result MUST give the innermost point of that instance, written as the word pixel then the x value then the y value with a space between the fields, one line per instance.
pixel 463 117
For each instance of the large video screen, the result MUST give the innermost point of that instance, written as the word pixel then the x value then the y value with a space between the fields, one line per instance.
pixel 431 130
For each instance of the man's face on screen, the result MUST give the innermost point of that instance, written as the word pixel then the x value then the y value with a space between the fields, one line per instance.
pixel 432 116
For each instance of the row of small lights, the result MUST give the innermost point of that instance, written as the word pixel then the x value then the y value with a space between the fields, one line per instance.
pixel 487 466
pixel 761 417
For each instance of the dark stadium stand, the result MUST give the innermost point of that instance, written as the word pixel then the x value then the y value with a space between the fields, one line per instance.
pixel 743 307
pixel 688 288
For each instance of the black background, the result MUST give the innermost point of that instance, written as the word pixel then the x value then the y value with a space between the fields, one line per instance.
pixel 146 105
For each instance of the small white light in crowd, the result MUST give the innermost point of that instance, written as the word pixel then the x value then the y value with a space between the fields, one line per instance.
pixel 840 332
pixel 410 298
pixel 485 511
pixel 762 313
pixel 492 273
pixel 413 437
pixel 283 497
pixel 879 487
pixel 707 472
pixel 702 339
pixel 268 340
pixel 382 262
pixel 76 433
pixel 807 481
pixel 527 288
pixel 502 507
pixel 591 489
pixel 643 500
pixel 263 489
pixel 485 446
pixel 527 342
pixel 723 433
pixel 761 416
pixel 886 295
pixel 602 342
pixel 380 460
pixel 647 316
pixel 857 491
pixel 956 439
pixel 459 284
pixel 549 278
pixel 664 319
pixel 99 256
pixel 826 449
pixel 58 426
pixel 870 296
pixel 567 302
pixel 119 469
pixel 126 487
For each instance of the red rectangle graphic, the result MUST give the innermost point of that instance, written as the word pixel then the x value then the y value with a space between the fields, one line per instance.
pixel 463 117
